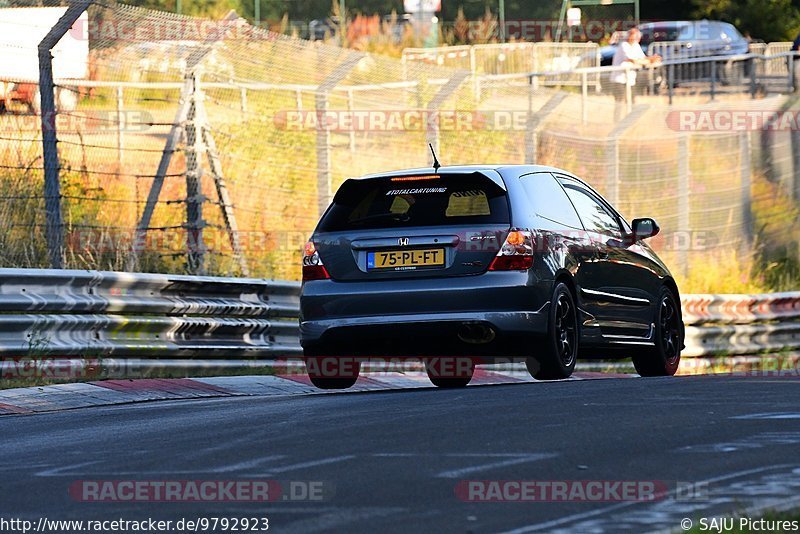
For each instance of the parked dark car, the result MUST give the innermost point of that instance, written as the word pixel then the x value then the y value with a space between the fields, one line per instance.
pixel 321 29
pixel 484 263
pixel 701 38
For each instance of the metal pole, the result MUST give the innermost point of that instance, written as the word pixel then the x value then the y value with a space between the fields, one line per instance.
pixel 194 191
pixel 683 202
pixel 502 21
pixel 713 79
pixel 343 22
pixel 612 190
pixel 257 11
pixel 747 214
pixel 628 96
pixel 530 133
pixel 120 120
pixel 670 82
pixel 54 225
pixel 584 96
pixel 323 144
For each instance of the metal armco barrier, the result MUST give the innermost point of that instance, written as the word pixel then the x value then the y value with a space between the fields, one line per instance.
pixel 741 324
pixel 94 314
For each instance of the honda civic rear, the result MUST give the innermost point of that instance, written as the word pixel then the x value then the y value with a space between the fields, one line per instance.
pixel 419 264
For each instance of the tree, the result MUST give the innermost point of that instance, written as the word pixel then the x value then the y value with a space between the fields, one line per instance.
pixel 770 20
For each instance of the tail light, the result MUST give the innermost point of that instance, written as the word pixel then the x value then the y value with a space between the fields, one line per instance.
pixel 516 254
pixel 312 264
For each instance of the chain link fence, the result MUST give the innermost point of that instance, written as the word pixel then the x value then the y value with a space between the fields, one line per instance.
pixel 197 146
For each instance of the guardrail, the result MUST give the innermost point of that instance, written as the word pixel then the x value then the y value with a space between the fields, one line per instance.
pixel 107 314
pixel 741 324
pixel 94 313
pixel 747 71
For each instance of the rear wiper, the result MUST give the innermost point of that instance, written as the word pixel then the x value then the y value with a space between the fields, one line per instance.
pixel 399 217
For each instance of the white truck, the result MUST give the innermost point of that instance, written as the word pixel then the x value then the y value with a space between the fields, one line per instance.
pixel 21 30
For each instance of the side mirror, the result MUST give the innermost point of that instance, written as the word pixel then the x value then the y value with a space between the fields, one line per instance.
pixel 644 228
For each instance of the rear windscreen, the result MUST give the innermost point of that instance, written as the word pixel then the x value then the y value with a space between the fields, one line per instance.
pixel 402 202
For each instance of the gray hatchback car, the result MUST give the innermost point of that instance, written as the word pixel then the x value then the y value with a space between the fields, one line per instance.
pixel 466 265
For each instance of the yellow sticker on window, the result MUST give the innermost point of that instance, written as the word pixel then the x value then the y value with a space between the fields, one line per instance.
pixel 468 203
pixel 399 205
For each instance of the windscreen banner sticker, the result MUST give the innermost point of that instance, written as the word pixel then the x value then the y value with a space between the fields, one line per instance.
pixel 416 191
pixel 468 203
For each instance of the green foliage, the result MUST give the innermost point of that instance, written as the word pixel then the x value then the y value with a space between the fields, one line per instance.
pixel 770 20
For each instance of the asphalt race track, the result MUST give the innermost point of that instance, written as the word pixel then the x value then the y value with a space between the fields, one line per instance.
pixel 391 461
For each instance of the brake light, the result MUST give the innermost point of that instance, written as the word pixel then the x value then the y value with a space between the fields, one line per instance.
pixel 516 254
pixel 312 264
pixel 415 178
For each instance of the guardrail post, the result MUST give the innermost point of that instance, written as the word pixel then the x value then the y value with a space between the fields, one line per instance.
pixel 753 75
pixel 54 224
pixel 790 64
pixel 338 74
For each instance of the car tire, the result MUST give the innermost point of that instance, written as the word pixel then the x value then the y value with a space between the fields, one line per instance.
pixel 664 358
pixel 557 352
pixel 445 377
pixel 323 378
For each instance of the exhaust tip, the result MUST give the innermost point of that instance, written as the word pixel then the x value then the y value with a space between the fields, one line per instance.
pixel 476 333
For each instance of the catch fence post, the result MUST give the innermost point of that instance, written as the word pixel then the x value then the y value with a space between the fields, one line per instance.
pixel 339 73
pixel 54 223
pixel 536 121
pixel 747 201
pixel 121 122
pixel 683 204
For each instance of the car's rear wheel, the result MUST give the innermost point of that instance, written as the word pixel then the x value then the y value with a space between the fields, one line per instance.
pixel 664 358
pixel 332 373
pixel 555 355
pixel 450 372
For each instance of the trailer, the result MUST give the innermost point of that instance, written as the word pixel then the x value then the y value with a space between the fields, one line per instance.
pixel 21 31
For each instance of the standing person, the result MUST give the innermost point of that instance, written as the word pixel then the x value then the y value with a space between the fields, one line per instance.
pixel 629 53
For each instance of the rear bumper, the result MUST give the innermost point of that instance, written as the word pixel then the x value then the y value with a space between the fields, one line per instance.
pixel 497 334
pixel 494 314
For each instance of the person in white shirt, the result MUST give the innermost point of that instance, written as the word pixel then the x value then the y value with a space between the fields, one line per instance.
pixel 629 53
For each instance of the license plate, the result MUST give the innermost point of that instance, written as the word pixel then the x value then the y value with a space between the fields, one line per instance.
pixel 405 259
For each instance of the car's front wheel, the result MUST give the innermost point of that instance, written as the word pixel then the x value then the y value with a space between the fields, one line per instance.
pixel 555 355
pixel 333 373
pixel 449 372
pixel 664 357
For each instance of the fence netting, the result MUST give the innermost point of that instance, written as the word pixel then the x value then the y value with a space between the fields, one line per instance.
pixel 211 147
